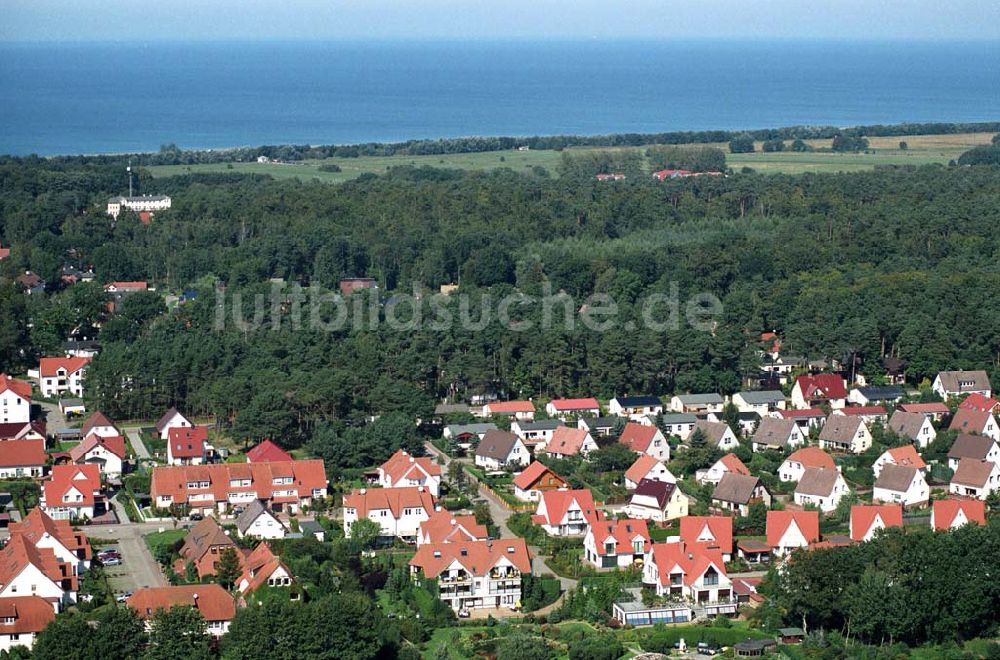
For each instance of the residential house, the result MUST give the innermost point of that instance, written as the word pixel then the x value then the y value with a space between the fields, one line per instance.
pixel 172 419
pixel 283 486
pixel 15 401
pixel 869 414
pixel 536 433
pixel 776 371
pixel 22 458
pixel 568 441
pixel 728 463
pixel 790 530
pixel 736 492
pixel 107 453
pixel 33 284
pixel 444 527
pixel 442 409
pixel 913 425
pixel 24 617
pixel 710 532
pixel 895 370
pixel 777 434
pixel 979 422
pixel 536 479
pixel 899 484
pixel 635 407
pixel 821 487
pixel 975 479
pixel 806 419
pixel 467 433
pixel 647 440
pixel 523 410
pixel 73 492
pixel 475 574
pixel 187 446
pixel 660 501
pixel 753 551
pixel 977 447
pixel 762 402
pixel 933 411
pixel 401 470
pixel 845 434
pixel 203 547
pixel 812 391
pixel 956 383
pixel 976 401
pixel 263 568
pixel 29 570
pixel 259 523
pixel 697 403
pixel 905 456
pixel 867 520
pixel 694 574
pixel 680 425
pixel 214 604
pixel 599 426
pixel 875 395
pixel 566 512
pixel 747 423
pixel 647 467
pixel 498 449
pixel 399 511
pixel 718 435
pixel 568 408
pixel 99 424
pixel 951 514
pixel 267 452
pixel 72 408
pixel 799 461
pixel 69 546
pixel 616 543
pixel 59 375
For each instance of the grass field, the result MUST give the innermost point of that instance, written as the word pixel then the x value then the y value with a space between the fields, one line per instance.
pixel 923 149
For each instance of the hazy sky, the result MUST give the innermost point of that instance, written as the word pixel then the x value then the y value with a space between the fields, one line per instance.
pixel 143 20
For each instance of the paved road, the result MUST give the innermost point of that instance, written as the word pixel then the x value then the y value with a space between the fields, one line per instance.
pixel 53 416
pixel 139 569
pixel 137 444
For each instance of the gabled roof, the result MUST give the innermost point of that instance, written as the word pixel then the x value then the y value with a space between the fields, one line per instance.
pixel 266 452
pixel 114 444
pixel 660 491
pixel 622 532
pixel 476 557
pixel 840 429
pixel 818 481
pixel 18 431
pixel 496 444
pixel 576 404
pixel 881 392
pixel 402 466
pixel 641 401
pixel 926 408
pixel 22 453
pixel 774 432
pixel 210 600
pixel 96 420
pixel 977 401
pixel 907 424
pixel 30 614
pixel 443 527
pixel 540 425
pixel 778 523
pixel 946 510
pixel 862 410
pixel 821 387
pixel 254 510
pixel 951 381
pixel 258 567
pixel 187 442
pixel 734 464
pixel 37 524
pixel 714 431
pixel 172 481
pixel 18 387
pixel 906 456
pixel 807 413
pixel 84 478
pixel 637 437
pixel 531 474
pixel 692 561
pixel 456 430
pixel 392 499
pixel 762 397
pixel 863 515
pixel 735 488
pixel 510 407
pixel 642 466
pixel 969 420
pixel 566 441
pixel 678 418
pixel 971 446
pixel 701 399
pixel 812 457
pixel 20 552
pixel 558 502
pixel 971 472
pixel 48 366
pixel 712 531
pixel 167 416
pixel 206 534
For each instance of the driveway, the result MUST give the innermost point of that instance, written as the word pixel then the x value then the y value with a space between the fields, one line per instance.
pixel 138 569
pixel 53 416
pixel 136 439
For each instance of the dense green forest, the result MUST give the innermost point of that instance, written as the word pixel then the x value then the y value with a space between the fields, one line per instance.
pixel 895 261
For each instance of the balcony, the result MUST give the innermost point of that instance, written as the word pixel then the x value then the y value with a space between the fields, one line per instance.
pixel 461 578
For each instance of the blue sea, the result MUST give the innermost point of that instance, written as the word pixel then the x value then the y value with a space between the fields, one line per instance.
pixel 112 98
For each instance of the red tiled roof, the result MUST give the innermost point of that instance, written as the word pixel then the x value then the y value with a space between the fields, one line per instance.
pixel 907 456
pixel 692 560
pixel 443 527
pixel 640 468
pixel 863 410
pixel 735 465
pixel 18 431
pixel 711 531
pixel 925 408
pixel 801 414
pixel 134 286
pixel 531 474
pixel 863 515
pixel 822 386
pixel 511 407
pixel 84 478
pixel 623 532
pixel 96 420
pixel 22 453
pixel 812 457
pixel 19 552
pixel 969 420
pixel 18 387
pixel 48 366
pixel 971 472
pixel 779 521
pixel 477 557
pixel 210 600
pixel 266 452
pixel 392 499
pixel 557 502
pixel 566 441
pixel 30 613
pixel 637 437
pixel 575 404
pixel 944 512
pixel 172 480
pixel 258 567
pixel 401 464
pixel 975 401
pixel 37 524
pixel 185 442
pixel 114 444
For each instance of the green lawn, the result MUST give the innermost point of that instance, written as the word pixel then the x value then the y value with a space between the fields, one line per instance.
pixel 168 537
pixel 923 149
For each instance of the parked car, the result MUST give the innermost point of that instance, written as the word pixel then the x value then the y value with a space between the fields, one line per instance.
pixel 112 561
pixel 123 596
pixel 196 517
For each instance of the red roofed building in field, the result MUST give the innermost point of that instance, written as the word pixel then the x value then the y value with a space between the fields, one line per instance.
pixel 187 446
pixel 73 492
pixel 866 520
pixel 403 470
pixel 214 604
pixel 207 489
pixel 952 514
pixel 15 401
pixel 22 458
pixel 23 618
pixel 475 574
pixel 58 375
pixel 814 391
pixel 267 452
pixel 565 408
pixel 789 530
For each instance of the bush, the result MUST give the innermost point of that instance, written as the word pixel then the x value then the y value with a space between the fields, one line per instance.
pixel 603 646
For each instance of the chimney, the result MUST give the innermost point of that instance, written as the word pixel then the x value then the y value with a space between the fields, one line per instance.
pixel 454 522
pixel 364 490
